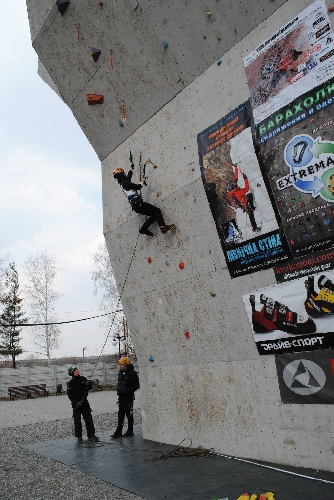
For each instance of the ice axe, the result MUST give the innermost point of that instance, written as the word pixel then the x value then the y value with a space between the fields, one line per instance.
pixel 148 162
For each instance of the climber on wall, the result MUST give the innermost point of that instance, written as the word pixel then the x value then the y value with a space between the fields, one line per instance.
pixel 138 205
pixel 242 197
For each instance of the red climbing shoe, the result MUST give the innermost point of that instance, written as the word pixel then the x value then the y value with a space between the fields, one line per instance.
pixel 164 229
pixel 320 303
pixel 276 316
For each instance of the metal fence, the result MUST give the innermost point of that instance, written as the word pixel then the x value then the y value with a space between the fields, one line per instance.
pixel 54 375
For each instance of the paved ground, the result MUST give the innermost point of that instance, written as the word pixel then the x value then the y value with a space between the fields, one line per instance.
pixel 31 411
pixel 40 459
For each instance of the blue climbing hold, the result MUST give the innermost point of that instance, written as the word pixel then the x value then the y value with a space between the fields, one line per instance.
pixel 165 45
pixel 151 359
pixel 120 124
pixel 219 62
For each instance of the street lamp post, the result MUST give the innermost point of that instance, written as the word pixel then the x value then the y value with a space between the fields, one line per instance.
pixel 121 339
pixel 83 354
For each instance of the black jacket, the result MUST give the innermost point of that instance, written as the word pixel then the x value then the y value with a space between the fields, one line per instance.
pixel 77 389
pixel 128 382
pixel 127 184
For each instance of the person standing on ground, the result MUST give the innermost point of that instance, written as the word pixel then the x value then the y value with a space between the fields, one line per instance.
pixel 77 391
pixel 128 383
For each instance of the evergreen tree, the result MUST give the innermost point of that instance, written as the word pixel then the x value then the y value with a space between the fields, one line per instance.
pixel 12 314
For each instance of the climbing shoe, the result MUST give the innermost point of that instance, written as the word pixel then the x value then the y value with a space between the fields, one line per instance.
pixel 80 440
pixel 93 439
pixel 256 229
pixel 128 434
pixel 117 434
pixel 147 232
pixel 165 229
pixel 276 316
pixel 320 303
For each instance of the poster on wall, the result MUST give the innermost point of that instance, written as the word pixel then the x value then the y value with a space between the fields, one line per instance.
pixel 296 146
pixel 294 59
pixel 318 262
pixel 237 195
pixel 306 378
pixel 293 316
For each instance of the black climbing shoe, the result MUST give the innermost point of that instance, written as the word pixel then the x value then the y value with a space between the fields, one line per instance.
pixel 164 229
pixel 93 439
pixel 80 440
pixel 128 434
pixel 256 229
pixel 117 434
pixel 147 232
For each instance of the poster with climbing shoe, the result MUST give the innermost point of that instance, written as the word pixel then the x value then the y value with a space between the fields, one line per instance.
pixel 306 378
pixel 237 195
pixel 293 60
pixel 296 146
pixel 293 316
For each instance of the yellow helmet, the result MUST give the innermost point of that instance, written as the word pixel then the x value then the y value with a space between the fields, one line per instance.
pixel 124 361
pixel 118 171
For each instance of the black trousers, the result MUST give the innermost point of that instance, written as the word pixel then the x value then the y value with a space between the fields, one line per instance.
pixel 86 413
pixel 250 210
pixel 125 408
pixel 153 212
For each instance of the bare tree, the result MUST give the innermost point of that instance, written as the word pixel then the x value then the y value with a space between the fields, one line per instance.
pixel 105 289
pixel 41 271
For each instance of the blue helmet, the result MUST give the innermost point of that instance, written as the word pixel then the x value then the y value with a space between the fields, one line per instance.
pixel 230 186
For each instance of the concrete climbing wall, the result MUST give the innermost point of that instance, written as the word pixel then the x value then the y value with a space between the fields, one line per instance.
pixel 213 387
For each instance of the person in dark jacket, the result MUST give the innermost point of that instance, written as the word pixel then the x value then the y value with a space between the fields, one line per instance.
pixel 128 383
pixel 77 391
pixel 138 205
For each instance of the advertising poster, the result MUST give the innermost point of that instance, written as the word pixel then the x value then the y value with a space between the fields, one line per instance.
pixel 237 195
pixel 306 378
pixel 296 146
pixel 295 59
pixel 319 262
pixel 293 316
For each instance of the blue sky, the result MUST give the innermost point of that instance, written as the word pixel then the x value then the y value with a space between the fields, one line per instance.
pixel 50 189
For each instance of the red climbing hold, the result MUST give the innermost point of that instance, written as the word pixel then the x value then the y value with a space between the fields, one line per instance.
pixel 181 265
pixel 149 260
pixel 187 335
pixel 94 99
pixel 331 8
pixel 62 5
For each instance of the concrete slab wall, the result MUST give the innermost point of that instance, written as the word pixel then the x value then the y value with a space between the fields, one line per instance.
pixel 213 388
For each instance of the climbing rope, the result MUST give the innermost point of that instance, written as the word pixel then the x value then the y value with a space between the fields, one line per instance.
pixel 118 302
pixel 185 451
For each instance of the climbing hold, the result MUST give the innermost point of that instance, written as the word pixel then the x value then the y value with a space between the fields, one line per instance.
pixel 208 14
pixel 204 36
pixel 101 4
pixel 165 45
pixel 94 99
pixel 150 359
pixel 95 53
pixel 120 124
pixel 181 265
pixel 78 31
pixel 123 112
pixel 62 5
pixel 149 260
pixel 187 335
pixel 331 8
pixel 219 38
pixel 111 60
pixel 219 62
pixel 213 293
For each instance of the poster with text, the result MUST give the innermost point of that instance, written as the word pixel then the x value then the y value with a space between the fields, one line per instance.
pixel 237 195
pixel 293 60
pixel 317 262
pixel 296 146
pixel 293 316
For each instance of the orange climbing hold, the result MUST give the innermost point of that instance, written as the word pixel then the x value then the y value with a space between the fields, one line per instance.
pixel 94 99
pixel 149 260
pixel 181 265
